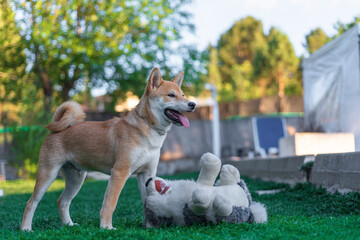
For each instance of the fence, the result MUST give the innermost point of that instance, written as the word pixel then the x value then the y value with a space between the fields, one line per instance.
pixel 236 135
pixel 264 105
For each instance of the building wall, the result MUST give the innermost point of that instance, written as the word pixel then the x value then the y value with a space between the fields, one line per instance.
pixel 236 136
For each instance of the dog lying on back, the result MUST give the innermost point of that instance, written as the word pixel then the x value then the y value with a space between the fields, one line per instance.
pixel 119 147
pixel 186 202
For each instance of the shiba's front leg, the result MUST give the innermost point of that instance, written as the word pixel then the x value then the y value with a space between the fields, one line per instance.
pixel 147 172
pixel 113 190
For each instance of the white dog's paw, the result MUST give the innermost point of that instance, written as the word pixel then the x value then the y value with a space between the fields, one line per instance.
pixel 210 167
pixel 201 200
pixel 222 206
pixel 209 159
pixel 229 175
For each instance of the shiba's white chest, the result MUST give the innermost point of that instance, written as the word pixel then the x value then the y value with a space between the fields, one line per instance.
pixel 148 153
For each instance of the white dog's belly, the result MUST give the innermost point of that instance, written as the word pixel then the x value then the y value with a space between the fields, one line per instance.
pixel 238 195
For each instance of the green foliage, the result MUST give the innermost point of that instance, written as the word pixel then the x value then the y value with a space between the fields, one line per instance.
pixel 28 141
pixel 238 44
pixel 248 64
pixel 307 166
pixel 282 61
pixel 315 39
pixel 242 76
pixel 19 95
pixel 27 136
pixel 302 212
pixel 99 43
pixel 194 66
pixel 12 56
pixel 342 27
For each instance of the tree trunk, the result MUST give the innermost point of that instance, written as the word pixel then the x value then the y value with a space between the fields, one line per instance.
pixel 262 84
pixel 281 92
pixel 47 85
pixel 67 86
pixel 48 93
pixel 281 84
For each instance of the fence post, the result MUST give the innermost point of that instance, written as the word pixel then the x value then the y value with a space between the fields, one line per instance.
pixel 215 120
pixel 2 167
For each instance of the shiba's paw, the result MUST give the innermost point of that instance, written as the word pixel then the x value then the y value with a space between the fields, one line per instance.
pixel 107 227
pixel 26 229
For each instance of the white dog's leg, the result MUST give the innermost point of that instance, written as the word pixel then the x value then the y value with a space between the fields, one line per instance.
pixel 73 181
pixel 222 206
pixel 210 167
pixel 201 200
pixel 229 175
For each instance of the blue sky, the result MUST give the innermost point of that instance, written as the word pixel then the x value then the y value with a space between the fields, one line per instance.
pixel 296 18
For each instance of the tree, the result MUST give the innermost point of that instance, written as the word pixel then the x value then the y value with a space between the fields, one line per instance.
pixel 283 61
pixel 315 39
pixel 261 68
pixel 213 71
pixel 110 42
pixel 12 60
pixel 245 88
pixel 238 44
pixel 252 64
pixel 194 65
pixel 342 27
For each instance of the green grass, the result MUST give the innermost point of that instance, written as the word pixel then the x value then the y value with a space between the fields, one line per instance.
pixel 302 212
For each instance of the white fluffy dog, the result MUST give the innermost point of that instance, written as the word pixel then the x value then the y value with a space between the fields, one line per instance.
pixel 186 202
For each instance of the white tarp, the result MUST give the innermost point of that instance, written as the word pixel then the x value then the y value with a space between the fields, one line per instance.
pixel 331 79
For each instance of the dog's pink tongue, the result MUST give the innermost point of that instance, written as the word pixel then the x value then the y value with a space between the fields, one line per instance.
pixel 184 121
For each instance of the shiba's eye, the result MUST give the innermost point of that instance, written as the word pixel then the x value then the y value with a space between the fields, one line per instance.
pixel 171 95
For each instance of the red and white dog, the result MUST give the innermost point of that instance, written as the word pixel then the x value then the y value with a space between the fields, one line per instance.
pixel 119 147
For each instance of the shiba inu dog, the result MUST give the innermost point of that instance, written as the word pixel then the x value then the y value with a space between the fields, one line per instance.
pixel 119 147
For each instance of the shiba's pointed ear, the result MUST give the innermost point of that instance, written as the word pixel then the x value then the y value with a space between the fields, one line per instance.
pixel 155 79
pixel 179 79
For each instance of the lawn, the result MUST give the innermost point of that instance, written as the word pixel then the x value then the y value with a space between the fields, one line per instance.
pixel 301 212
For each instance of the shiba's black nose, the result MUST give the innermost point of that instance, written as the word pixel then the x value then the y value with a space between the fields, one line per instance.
pixel 192 105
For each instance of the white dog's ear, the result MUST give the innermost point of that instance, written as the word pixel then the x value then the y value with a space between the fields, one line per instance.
pixel 150 187
pixel 178 79
pixel 155 79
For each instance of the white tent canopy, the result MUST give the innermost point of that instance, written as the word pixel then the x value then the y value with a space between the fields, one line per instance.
pixel 331 78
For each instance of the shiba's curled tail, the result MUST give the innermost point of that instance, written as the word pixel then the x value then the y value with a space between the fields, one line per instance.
pixel 67 114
